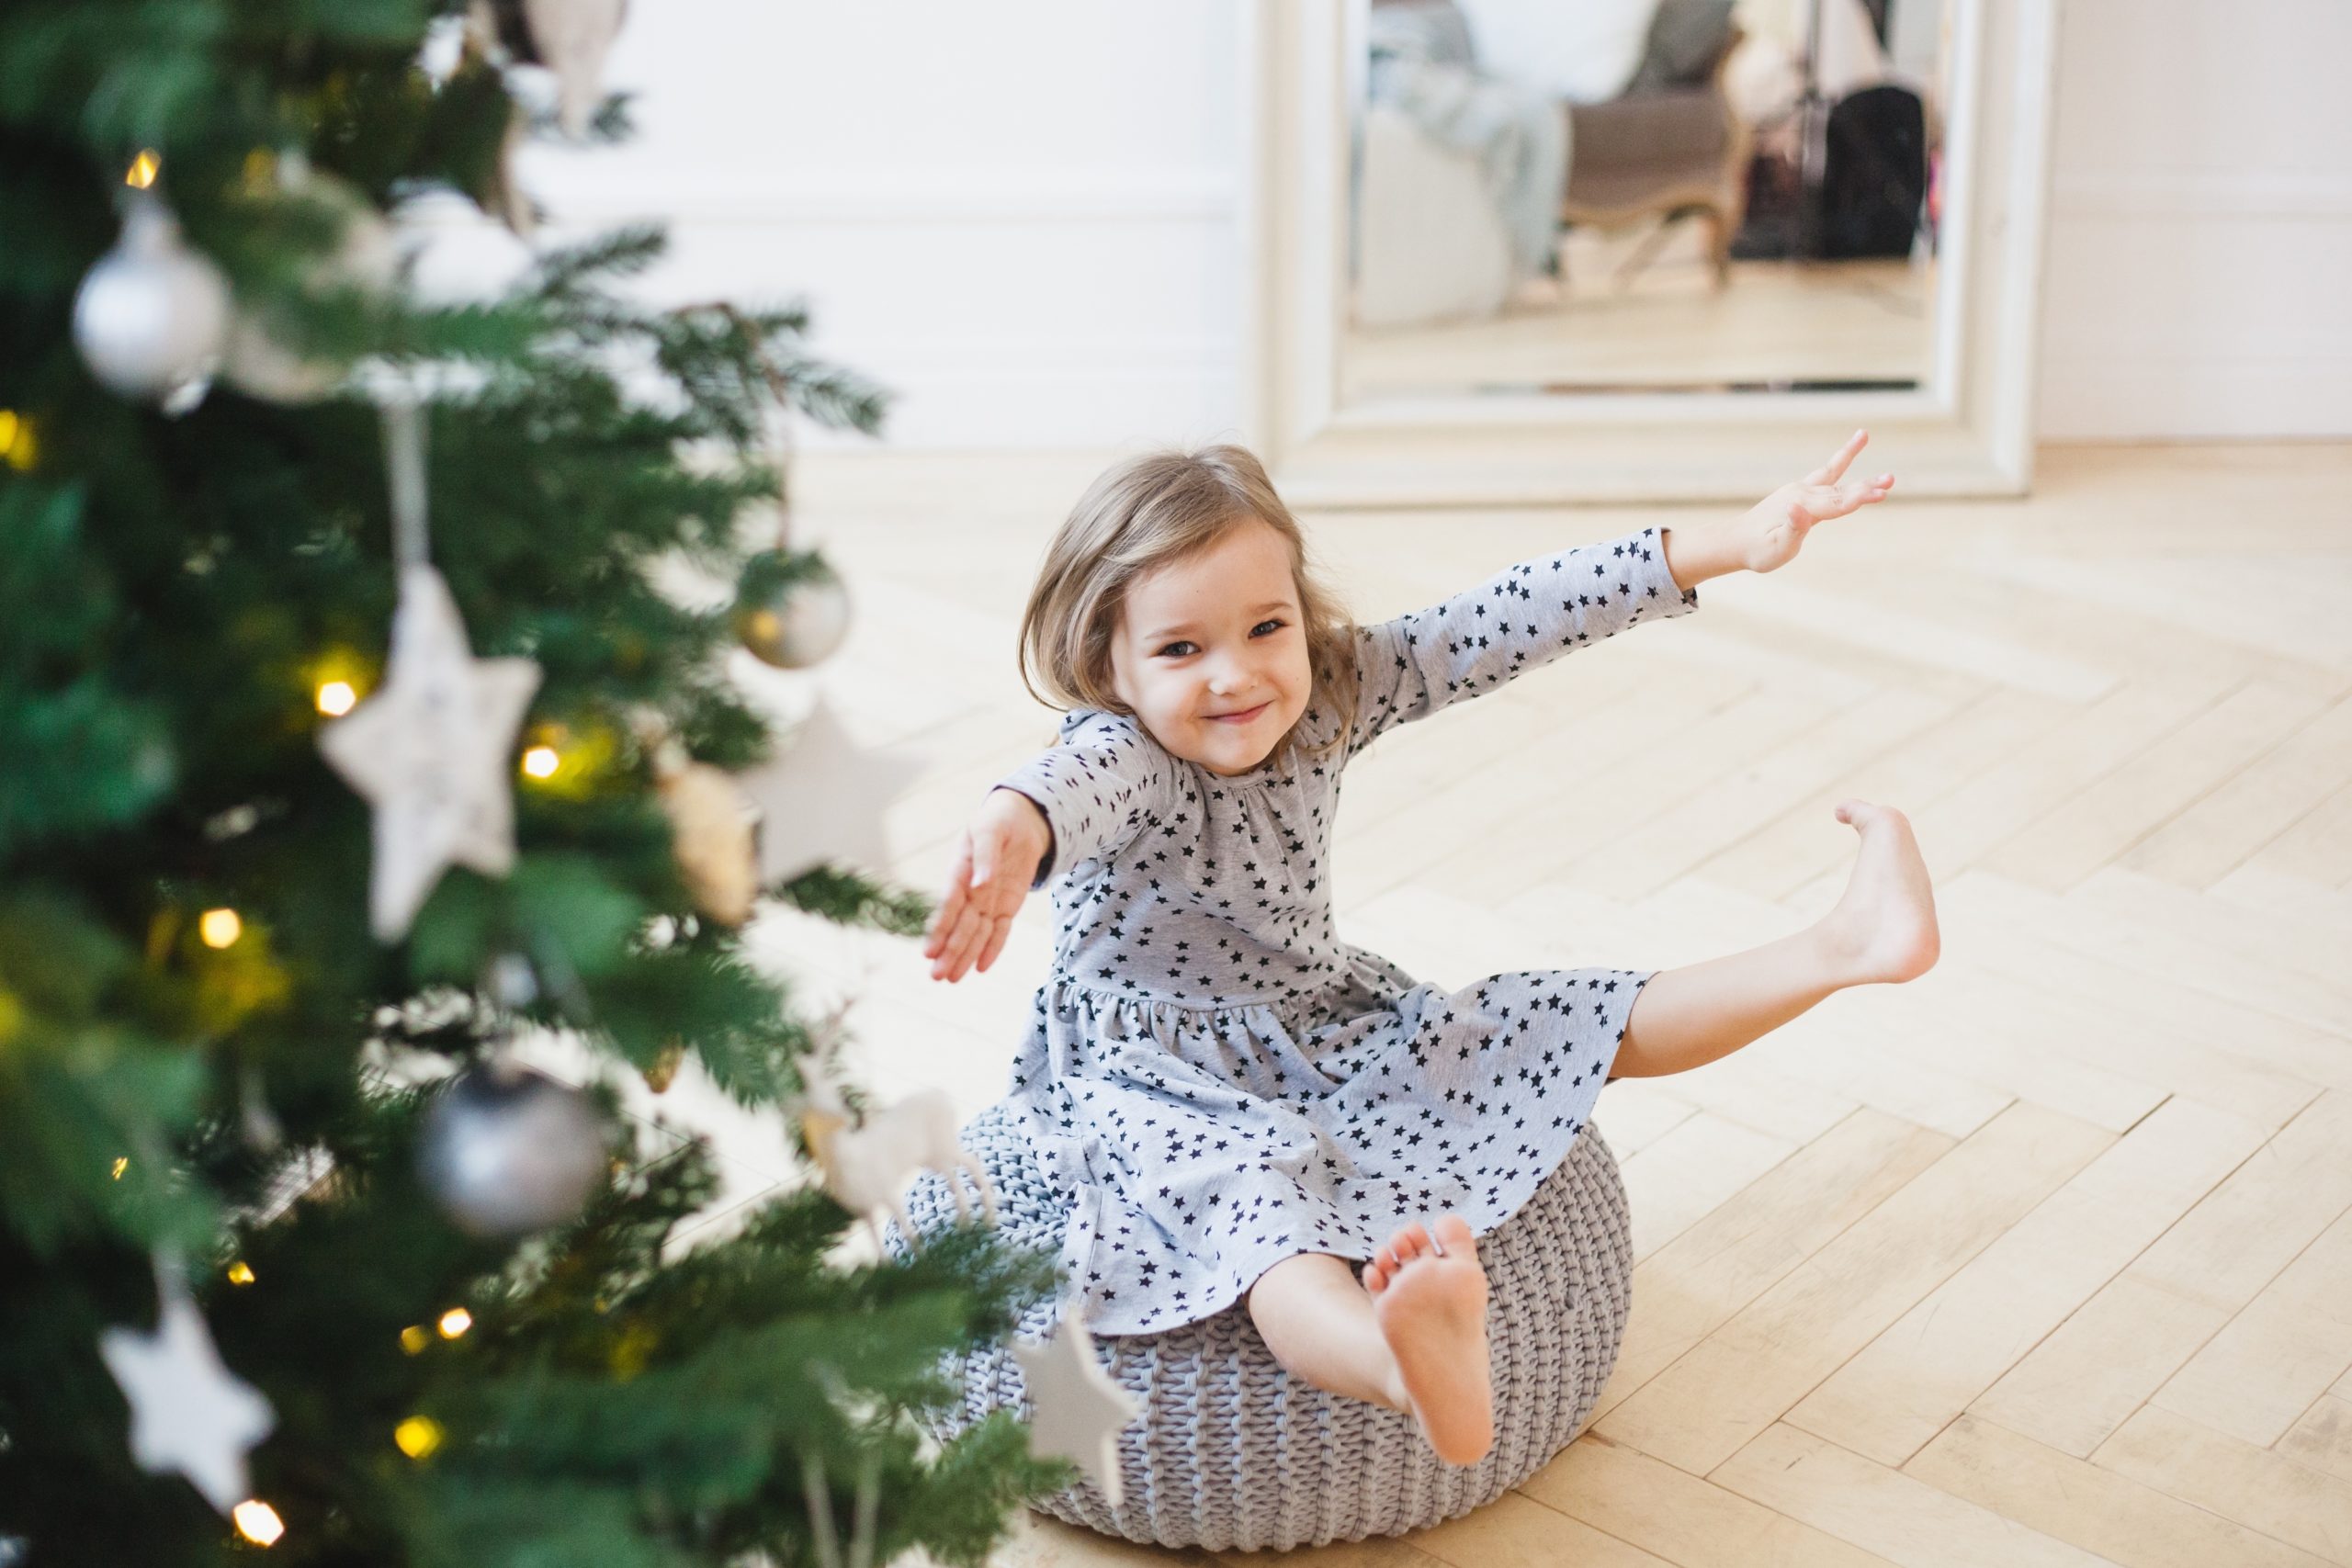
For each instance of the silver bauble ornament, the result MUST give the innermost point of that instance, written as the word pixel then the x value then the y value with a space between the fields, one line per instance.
pixel 364 258
pixel 506 1150
pixel 152 314
pixel 799 625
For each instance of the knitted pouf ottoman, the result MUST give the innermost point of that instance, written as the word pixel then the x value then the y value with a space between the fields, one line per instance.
pixel 1232 1453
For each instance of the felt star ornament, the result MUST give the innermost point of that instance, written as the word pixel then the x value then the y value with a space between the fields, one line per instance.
pixel 431 751
pixel 188 1413
pixel 821 799
pixel 1080 1411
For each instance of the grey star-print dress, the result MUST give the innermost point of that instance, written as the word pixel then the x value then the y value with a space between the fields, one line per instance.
pixel 1213 1078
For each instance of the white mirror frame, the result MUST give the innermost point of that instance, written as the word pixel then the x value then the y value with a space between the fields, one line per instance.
pixel 1968 432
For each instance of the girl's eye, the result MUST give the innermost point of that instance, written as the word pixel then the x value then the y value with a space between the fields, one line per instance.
pixel 1171 649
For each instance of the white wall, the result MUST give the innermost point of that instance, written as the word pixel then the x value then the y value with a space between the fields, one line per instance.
pixel 2199 281
pixel 1023 218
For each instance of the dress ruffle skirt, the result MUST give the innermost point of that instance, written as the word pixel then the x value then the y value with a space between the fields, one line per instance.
pixel 1198 1147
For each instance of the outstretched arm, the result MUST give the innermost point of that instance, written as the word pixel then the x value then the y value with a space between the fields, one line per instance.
pixel 1529 615
pixel 1517 620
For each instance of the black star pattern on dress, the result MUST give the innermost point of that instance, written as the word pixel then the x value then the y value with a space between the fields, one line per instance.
pixel 1214 1083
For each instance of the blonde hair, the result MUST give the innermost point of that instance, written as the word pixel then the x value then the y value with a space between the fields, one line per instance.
pixel 1138 516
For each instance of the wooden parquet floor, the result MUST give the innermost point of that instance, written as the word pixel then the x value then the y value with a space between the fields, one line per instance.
pixel 2045 1258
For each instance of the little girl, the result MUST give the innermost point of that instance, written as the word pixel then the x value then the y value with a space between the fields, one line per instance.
pixel 1236 1103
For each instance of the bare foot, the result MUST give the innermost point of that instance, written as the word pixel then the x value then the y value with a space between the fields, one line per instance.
pixel 1883 928
pixel 1432 1308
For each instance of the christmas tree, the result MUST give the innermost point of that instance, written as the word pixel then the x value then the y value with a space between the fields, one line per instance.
pixel 346 740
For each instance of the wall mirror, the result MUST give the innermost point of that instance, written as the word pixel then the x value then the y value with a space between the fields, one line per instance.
pixel 1519 251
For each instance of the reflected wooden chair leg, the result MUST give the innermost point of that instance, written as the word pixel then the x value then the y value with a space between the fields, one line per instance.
pixel 1651 243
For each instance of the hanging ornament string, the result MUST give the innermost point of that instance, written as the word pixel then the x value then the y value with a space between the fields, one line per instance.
pixel 404 416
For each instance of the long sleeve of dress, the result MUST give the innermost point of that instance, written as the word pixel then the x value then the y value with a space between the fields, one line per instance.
pixel 1105 782
pixel 1517 620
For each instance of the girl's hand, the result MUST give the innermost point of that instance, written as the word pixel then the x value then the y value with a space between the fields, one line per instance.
pixel 999 854
pixel 1771 535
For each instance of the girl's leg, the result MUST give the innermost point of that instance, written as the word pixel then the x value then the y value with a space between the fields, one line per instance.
pixel 1411 1337
pixel 1318 1321
pixel 1883 928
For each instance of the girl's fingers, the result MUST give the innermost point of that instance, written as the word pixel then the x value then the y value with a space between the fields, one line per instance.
pixel 1848 452
pixel 998 929
pixel 966 936
pixel 1835 470
pixel 952 905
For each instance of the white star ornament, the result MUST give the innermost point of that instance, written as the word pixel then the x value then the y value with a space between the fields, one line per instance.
pixel 820 797
pixel 1081 1412
pixel 432 752
pixel 188 1413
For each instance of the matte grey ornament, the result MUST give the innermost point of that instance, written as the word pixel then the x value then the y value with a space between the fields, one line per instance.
pixel 800 624
pixel 506 1150
pixel 152 315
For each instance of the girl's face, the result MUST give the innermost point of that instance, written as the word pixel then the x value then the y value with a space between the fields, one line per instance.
pixel 1215 635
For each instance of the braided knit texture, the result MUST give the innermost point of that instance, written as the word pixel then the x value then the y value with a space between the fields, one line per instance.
pixel 1233 1453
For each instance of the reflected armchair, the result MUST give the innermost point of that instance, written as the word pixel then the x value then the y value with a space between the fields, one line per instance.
pixel 1665 152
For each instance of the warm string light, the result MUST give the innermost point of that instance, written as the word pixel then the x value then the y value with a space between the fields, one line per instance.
pixel 220 928
pixel 415 1338
pixel 456 1321
pixel 17 446
pixel 143 169
pixel 241 1272
pixel 121 1164
pixel 258 1522
pixel 418 1436
pixel 567 761
pixel 337 677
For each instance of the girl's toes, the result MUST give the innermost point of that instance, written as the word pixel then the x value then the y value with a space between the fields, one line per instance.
pixel 1409 1243
pixel 1376 1279
pixel 1453 1234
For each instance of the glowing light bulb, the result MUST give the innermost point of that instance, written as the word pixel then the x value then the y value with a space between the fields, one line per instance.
pixel 141 174
pixel 258 1522
pixel 17 443
pixel 418 1436
pixel 541 761
pixel 413 1339
pixel 456 1321
pixel 220 928
pixel 335 698
pixel 241 1272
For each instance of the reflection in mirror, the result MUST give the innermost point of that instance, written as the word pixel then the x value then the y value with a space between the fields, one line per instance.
pixel 1613 196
